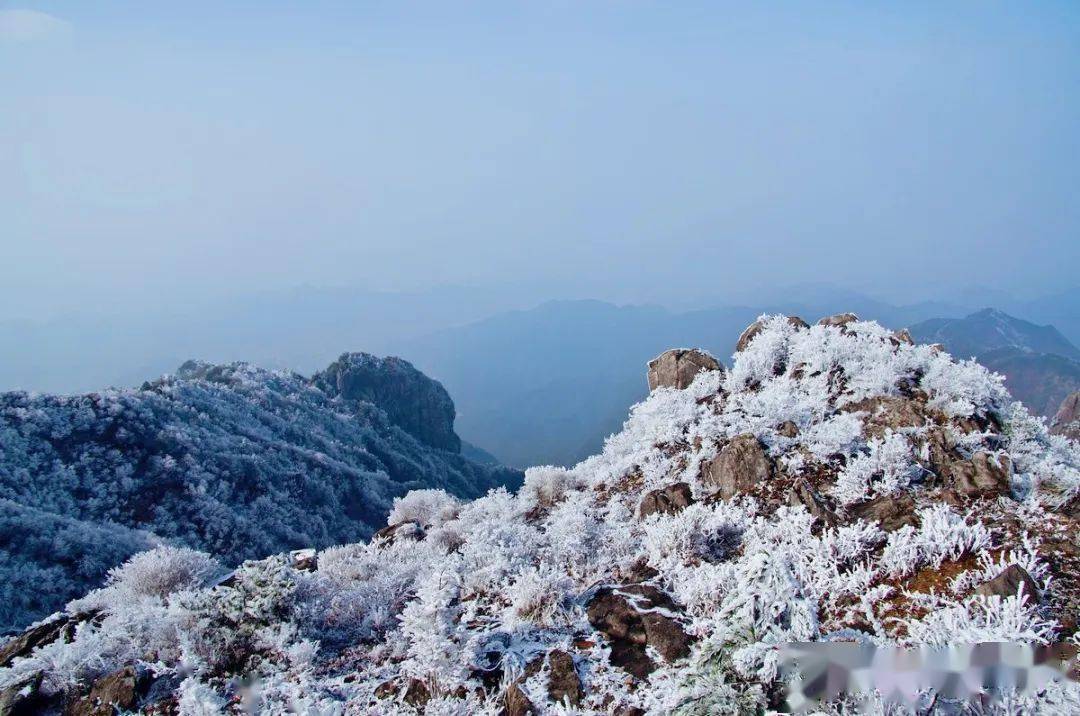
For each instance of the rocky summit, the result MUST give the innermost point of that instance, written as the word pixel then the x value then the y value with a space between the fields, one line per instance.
pixel 231 459
pixel 837 483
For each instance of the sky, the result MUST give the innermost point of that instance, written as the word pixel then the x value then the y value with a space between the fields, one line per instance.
pixel 153 155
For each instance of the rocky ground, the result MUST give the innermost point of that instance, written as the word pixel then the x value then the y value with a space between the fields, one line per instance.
pixel 839 483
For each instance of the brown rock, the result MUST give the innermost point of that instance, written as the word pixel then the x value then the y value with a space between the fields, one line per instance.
pixel 1009 583
pixel 1067 420
pixel 887 412
pixel 788 429
pixel 984 475
pixel 741 465
pixel 755 328
pixel 61 627
pixel 840 320
pixel 803 493
pixel 403 530
pixel 109 694
pixel 633 617
pixel 891 512
pixel 23 697
pixel 667 500
pixel 416 693
pixel 677 368
pixel 516 703
pixel 563 682
pixel 904 336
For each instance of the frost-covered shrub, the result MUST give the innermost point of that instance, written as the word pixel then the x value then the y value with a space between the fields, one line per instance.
pixel 981 619
pixel 942 535
pixel 427 507
pixel 885 469
pixel 164 570
pixel 539 596
pixel 546 485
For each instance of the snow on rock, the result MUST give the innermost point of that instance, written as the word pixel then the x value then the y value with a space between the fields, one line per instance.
pixel 868 489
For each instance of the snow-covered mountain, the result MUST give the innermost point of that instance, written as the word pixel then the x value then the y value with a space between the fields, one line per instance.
pixel 838 483
pixel 231 459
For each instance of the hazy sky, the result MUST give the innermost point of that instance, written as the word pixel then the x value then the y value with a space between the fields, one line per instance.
pixel 156 153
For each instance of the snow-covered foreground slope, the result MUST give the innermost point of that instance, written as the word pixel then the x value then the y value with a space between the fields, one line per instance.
pixel 838 483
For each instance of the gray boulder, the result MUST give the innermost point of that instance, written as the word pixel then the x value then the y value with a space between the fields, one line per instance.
pixel 677 368
pixel 414 402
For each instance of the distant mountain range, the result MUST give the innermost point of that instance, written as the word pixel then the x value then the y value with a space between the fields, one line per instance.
pixel 547 385
pixel 232 459
pixel 533 383
pixel 1041 367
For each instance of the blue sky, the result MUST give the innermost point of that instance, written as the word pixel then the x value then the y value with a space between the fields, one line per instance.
pixel 156 153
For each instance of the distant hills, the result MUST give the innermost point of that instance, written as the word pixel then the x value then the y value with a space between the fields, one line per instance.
pixel 1041 367
pixel 547 385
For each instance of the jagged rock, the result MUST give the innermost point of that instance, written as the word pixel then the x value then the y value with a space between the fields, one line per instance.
pixel 414 402
pixel 891 512
pixel 1012 580
pixel 116 692
pixel 403 530
pixel 839 320
pixel 1067 420
pixel 61 626
pixel 516 703
pixel 904 336
pixel 563 681
pixel 984 474
pixel 666 500
pixel 741 465
pixel 633 617
pixel 755 328
pixel 887 412
pixel 23 697
pixel 803 493
pixel 678 367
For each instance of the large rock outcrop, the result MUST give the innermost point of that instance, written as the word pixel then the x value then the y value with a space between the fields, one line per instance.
pixel 414 402
pixel 677 368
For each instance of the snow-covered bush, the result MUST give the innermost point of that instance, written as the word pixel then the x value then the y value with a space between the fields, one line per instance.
pixel 427 507
pixel 164 570
pixel 546 485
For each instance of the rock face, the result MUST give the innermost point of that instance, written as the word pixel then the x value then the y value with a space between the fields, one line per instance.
pixel 666 500
pixel 677 368
pixel 756 327
pixel 110 694
pixel 1067 420
pixel 890 512
pixel 634 617
pixel 741 465
pixel 1012 580
pixel 414 402
pixel 984 475
pixel 839 320
pixel 889 413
